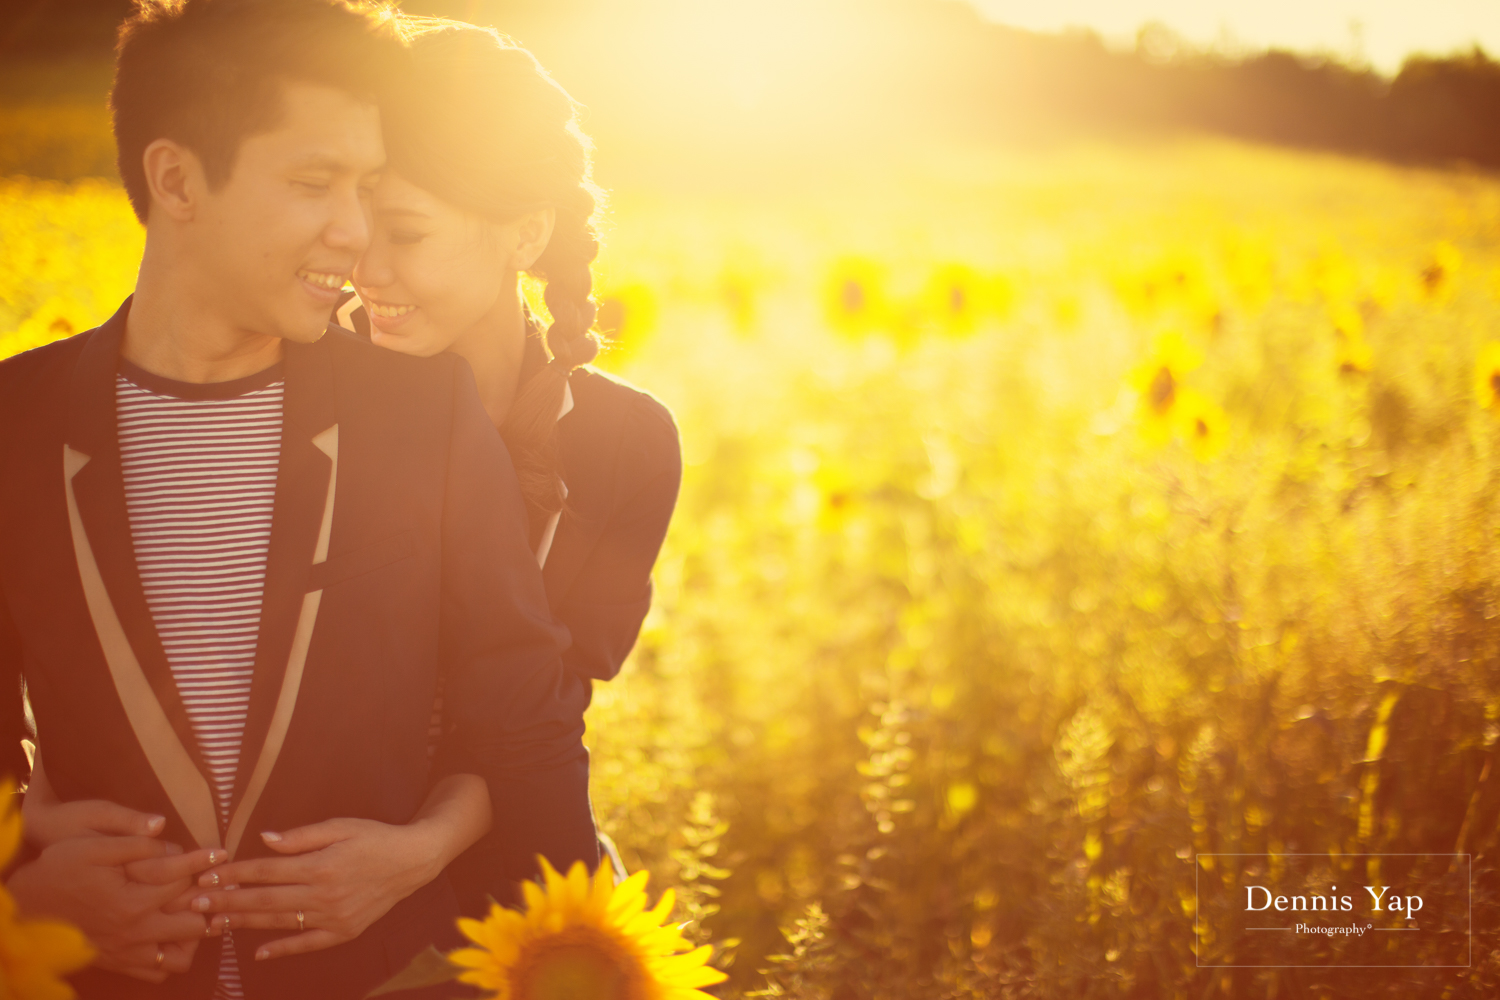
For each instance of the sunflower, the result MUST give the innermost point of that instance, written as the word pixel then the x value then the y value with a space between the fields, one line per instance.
pixel 35 955
pixel 626 316
pixel 1202 426
pixel 956 297
pixel 1158 381
pixel 1354 354
pixel 1487 376
pixel 854 299
pixel 1442 264
pixel 584 938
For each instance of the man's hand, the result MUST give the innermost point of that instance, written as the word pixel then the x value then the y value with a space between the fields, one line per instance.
pixel 48 821
pixel 342 874
pixel 114 888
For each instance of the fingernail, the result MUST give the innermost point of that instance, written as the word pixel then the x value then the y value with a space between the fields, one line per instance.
pixel 227 888
pixel 201 904
pixel 214 857
pixel 156 823
pixel 271 838
pixel 263 954
pixel 212 878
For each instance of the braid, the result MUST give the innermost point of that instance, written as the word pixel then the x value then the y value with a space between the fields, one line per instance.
pixel 482 125
pixel 564 265
pixel 530 428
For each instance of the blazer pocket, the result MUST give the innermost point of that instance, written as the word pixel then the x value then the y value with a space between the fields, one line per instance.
pixel 364 559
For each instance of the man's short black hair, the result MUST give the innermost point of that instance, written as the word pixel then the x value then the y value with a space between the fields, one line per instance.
pixel 209 73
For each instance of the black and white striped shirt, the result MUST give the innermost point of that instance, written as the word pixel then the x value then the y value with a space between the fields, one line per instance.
pixel 200 465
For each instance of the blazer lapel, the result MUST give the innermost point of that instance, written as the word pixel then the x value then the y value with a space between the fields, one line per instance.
pixel 105 555
pixel 301 523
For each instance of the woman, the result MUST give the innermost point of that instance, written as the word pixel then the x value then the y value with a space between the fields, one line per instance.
pixel 489 176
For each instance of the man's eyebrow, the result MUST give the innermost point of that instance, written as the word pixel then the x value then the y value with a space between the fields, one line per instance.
pixel 330 164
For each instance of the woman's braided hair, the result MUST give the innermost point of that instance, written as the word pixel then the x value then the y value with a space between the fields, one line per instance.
pixel 484 127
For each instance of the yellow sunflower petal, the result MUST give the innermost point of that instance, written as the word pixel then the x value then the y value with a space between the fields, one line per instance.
pixel 663 906
pixel 578 884
pixel 472 958
pixel 486 980
pixel 552 880
pixel 474 930
pixel 704 975
pixel 602 888
pixel 535 897
pixel 629 898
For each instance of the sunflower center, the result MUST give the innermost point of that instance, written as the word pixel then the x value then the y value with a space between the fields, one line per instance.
pixel 852 296
pixel 1495 382
pixel 1163 390
pixel 578 963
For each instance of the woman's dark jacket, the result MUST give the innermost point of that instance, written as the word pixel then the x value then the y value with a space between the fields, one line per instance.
pixel 620 458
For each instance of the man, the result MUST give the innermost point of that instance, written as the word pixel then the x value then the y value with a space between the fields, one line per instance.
pixel 240 551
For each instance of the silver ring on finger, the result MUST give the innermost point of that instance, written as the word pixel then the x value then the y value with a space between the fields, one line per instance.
pixel 161 956
pixel 301 921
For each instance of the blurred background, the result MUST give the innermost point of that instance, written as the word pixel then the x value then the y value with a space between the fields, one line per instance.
pixel 1092 424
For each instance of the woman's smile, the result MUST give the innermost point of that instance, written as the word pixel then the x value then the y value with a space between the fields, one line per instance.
pixel 389 315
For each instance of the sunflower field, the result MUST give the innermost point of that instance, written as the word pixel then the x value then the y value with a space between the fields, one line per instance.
pixel 1049 519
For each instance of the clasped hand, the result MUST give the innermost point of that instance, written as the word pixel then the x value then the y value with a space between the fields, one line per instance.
pixel 104 870
pixel 341 875
pixel 136 897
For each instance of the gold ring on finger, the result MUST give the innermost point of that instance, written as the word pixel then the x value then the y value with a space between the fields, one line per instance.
pixel 301 921
pixel 161 956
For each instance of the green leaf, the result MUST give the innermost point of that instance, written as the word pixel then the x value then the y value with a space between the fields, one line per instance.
pixel 429 968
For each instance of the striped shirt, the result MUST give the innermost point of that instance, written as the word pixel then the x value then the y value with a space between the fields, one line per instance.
pixel 200 464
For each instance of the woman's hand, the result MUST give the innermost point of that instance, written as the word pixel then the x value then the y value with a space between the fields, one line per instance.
pixel 342 875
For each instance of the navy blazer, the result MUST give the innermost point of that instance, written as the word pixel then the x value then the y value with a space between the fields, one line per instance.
pixel 398 554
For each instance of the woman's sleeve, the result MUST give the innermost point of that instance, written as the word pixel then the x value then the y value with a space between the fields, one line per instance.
pixel 513 715
pixel 605 607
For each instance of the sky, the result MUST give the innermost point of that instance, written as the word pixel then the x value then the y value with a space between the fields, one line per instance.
pixel 1382 32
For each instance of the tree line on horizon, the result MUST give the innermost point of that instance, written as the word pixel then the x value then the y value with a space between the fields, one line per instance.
pixel 935 69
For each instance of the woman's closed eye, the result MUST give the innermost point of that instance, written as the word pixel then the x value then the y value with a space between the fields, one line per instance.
pixel 407 237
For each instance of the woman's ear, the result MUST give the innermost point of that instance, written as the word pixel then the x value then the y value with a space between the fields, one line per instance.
pixel 533 233
pixel 175 177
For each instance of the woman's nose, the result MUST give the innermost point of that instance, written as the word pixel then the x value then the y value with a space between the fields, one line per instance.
pixel 371 270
